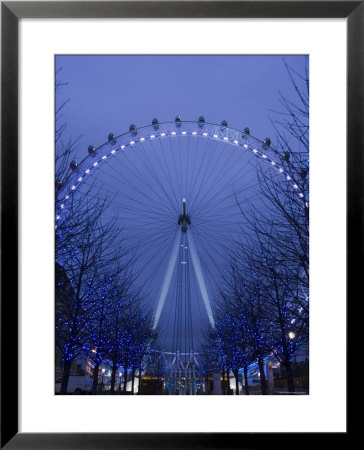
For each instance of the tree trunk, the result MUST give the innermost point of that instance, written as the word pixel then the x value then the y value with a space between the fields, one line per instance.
pixel 263 382
pixel 228 379
pixel 113 376
pixel 236 375
pixel 246 386
pixel 132 380
pixel 288 366
pixel 125 380
pixel 95 378
pixel 140 381
pixel 65 377
pixel 289 375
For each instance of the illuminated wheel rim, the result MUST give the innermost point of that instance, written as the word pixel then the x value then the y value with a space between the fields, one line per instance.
pixel 113 162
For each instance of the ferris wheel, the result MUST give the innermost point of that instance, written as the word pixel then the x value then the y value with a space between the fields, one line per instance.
pixel 176 190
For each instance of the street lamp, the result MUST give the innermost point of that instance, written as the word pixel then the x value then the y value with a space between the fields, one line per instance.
pixel 102 379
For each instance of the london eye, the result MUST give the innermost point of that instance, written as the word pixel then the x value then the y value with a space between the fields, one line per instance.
pixel 178 192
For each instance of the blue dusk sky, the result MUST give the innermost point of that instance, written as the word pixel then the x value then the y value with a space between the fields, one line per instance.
pixel 108 93
pixel 147 184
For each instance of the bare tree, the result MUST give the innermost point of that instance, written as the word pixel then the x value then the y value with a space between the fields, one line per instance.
pixel 280 224
pixel 82 257
pixel 114 281
pixel 66 147
pixel 122 300
pixel 98 310
pixel 266 284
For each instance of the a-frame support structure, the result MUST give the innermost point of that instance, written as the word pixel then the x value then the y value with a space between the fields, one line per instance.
pixel 184 221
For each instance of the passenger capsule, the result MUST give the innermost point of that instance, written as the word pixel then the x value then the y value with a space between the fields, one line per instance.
pixel 303 173
pixel 73 165
pixel 111 137
pixel 246 132
pixel 223 125
pixel 286 156
pixel 133 129
pixel 59 184
pixel 155 124
pixel 201 121
pixel 91 149
pixel 266 143
pixel 178 121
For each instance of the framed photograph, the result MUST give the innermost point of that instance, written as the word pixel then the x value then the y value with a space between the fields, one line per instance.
pixel 178 180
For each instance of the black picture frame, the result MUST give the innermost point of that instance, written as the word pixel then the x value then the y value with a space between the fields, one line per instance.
pixel 11 12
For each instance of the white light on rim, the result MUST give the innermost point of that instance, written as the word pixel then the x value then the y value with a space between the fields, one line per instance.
pixel 152 136
pixel 281 170
pixel 184 132
pixel 255 150
pixel 264 156
pixel 215 136
pixel 95 163
pixel 273 163
pixel 80 179
pixel 205 134
pixel 301 195
pixel 236 142
pixel 113 152
pixel 142 139
pixel 104 157
pixel 62 206
pixel 67 197
pixel 194 133
pixel 163 134
pixel 132 143
pixel 288 177
pixel 173 133
pixel 122 147
pixel 245 145
pixel 58 217
pixel 73 187
pixel 295 186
